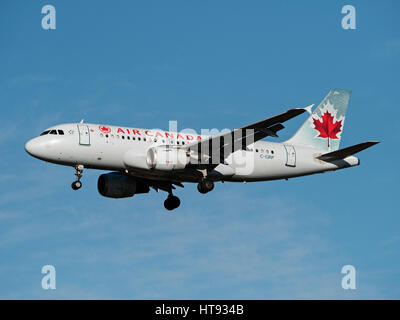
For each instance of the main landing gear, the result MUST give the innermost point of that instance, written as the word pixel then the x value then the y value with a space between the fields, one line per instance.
pixel 172 202
pixel 205 186
pixel 78 172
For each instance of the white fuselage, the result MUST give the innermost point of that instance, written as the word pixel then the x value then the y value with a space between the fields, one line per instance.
pixel 125 149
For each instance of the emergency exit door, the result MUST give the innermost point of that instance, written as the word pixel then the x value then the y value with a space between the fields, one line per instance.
pixel 84 135
pixel 290 156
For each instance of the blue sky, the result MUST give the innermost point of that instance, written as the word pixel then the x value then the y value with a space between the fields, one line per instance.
pixel 208 64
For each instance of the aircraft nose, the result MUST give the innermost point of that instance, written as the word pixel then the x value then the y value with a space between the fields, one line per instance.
pixel 32 147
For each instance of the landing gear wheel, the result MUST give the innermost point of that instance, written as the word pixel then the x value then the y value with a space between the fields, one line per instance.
pixel 76 185
pixel 205 186
pixel 172 203
pixel 78 172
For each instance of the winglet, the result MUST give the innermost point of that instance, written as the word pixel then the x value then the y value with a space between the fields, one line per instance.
pixel 309 108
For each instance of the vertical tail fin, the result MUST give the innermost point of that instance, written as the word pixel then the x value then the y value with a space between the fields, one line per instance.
pixel 323 129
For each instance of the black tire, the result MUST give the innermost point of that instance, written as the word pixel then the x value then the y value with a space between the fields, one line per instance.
pixel 76 185
pixel 205 186
pixel 209 185
pixel 201 188
pixel 172 203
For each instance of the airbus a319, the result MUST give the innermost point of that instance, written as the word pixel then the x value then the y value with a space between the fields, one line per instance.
pixel 141 159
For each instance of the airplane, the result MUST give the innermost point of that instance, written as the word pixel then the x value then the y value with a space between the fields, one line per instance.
pixel 141 159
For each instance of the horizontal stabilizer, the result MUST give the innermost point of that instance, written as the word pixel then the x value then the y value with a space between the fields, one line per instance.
pixel 346 152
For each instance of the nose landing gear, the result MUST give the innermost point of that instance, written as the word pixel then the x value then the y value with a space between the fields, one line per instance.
pixel 78 173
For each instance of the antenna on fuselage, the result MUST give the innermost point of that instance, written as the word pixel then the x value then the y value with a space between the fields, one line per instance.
pixel 81 121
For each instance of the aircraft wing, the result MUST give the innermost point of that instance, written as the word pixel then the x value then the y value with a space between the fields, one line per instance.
pixel 222 145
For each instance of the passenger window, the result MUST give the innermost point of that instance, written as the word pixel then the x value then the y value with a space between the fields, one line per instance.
pixel 144 139
pixel 133 138
pixel 53 132
pixel 183 142
pixel 60 132
pixel 44 133
pixel 106 135
pixel 256 150
pixel 128 137
pixel 123 137
pixel 272 151
pixel 138 138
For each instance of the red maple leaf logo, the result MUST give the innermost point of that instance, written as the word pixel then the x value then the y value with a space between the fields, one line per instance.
pixel 105 129
pixel 326 128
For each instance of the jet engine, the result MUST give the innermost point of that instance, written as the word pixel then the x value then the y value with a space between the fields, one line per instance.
pixel 167 158
pixel 118 185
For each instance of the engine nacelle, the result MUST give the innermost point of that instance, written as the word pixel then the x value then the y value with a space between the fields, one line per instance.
pixel 167 158
pixel 118 185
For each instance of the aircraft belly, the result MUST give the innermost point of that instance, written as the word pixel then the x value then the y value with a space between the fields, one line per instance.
pixel 175 175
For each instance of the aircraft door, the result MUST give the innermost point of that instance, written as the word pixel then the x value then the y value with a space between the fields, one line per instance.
pixel 290 156
pixel 84 135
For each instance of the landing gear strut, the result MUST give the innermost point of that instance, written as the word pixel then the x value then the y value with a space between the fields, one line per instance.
pixel 172 202
pixel 205 186
pixel 78 173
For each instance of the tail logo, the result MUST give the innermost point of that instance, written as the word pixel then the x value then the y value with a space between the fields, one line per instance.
pixel 326 127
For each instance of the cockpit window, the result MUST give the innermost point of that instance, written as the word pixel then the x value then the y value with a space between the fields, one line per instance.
pixel 60 132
